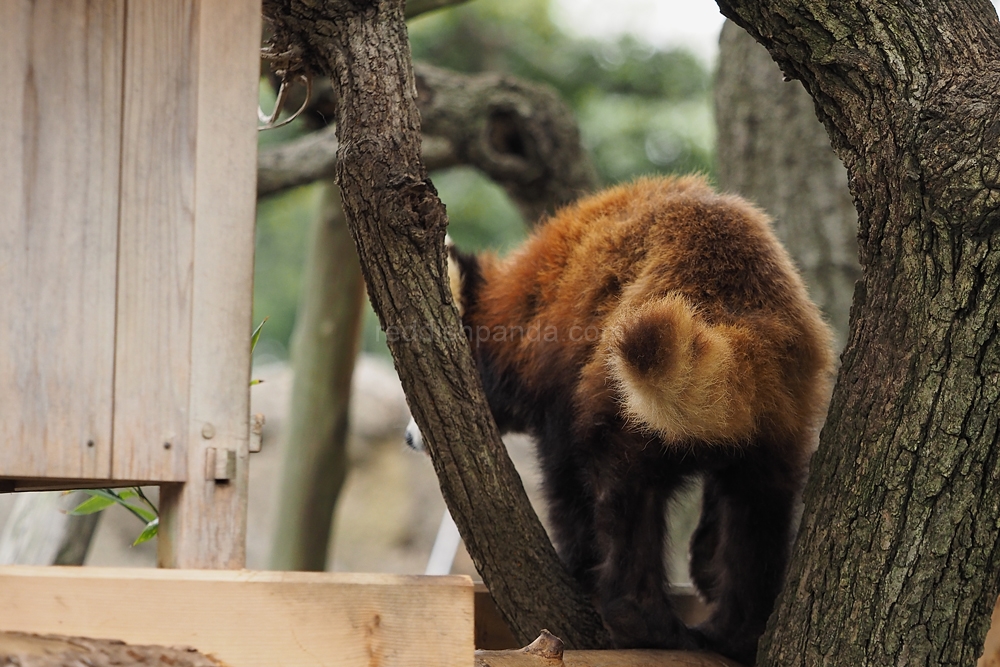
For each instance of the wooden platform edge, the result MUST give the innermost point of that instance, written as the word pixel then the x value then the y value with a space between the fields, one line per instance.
pixel 248 618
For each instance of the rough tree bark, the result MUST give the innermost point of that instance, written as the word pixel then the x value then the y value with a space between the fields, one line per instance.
pixel 521 135
pixel 398 224
pixel 22 650
pixel 897 560
pixel 771 149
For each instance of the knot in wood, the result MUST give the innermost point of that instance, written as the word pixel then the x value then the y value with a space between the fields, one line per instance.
pixel 421 214
pixel 546 646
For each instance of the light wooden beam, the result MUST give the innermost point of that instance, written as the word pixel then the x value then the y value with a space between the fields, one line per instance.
pixel 246 619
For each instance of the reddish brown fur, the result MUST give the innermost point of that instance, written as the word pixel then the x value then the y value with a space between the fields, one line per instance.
pixel 625 262
pixel 657 313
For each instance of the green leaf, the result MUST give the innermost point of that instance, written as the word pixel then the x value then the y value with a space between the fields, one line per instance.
pixel 257 381
pixel 256 335
pixel 125 494
pixel 149 532
pixel 141 512
pixel 147 501
pixel 102 493
pixel 92 505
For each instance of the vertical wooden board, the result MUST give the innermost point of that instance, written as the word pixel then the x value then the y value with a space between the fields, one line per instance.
pixel 59 138
pixel 156 236
pixel 204 522
pixel 247 619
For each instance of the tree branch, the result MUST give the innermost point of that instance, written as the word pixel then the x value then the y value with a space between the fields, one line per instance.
pixel 313 157
pixel 521 135
pixel 398 224
pixel 896 559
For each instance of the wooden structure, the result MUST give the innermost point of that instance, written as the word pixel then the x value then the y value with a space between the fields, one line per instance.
pixel 246 619
pixel 126 254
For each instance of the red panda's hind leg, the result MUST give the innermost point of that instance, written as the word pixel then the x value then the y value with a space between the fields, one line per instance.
pixel 632 577
pixel 743 544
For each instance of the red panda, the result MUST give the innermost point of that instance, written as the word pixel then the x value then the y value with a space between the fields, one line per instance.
pixel 645 335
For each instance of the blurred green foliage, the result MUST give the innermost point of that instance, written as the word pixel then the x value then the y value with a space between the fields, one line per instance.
pixel 640 110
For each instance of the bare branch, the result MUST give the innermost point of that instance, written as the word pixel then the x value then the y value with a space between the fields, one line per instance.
pixel 313 157
pixel 521 135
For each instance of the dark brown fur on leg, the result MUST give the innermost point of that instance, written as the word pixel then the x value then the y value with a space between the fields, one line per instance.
pixel 630 522
pixel 754 505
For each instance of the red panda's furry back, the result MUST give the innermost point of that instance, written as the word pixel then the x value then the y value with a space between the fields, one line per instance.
pixel 683 298
pixel 646 334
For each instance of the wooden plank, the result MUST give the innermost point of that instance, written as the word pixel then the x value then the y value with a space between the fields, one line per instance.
pixel 252 618
pixel 204 521
pixel 61 78
pixel 155 274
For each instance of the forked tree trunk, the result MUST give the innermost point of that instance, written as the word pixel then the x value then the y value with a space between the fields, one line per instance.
pixel 896 561
pixel 398 224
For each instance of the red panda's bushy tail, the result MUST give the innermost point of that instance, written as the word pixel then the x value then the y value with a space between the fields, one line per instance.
pixel 679 375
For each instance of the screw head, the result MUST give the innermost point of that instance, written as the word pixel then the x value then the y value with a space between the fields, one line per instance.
pixel 208 431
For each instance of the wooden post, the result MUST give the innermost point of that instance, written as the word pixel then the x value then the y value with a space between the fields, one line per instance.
pixel 203 521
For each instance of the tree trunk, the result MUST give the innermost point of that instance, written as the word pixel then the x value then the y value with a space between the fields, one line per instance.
pixel 896 559
pixel 324 346
pixel 771 149
pixel 398 224
pixel 523 136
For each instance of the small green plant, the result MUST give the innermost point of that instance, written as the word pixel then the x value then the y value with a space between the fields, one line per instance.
pixel 102 499
pixel 254 337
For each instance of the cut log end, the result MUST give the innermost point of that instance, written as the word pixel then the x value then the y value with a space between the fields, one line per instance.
pixel 28 650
